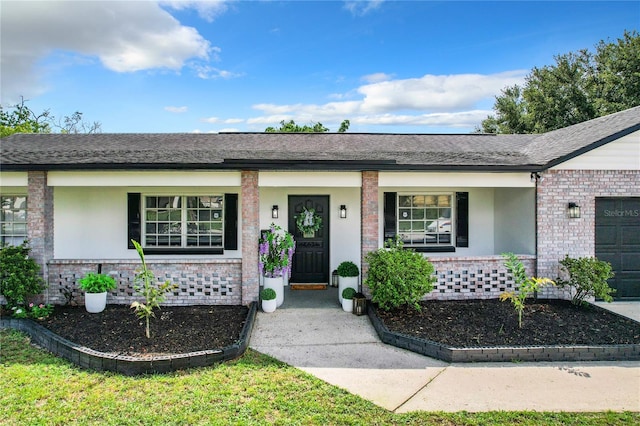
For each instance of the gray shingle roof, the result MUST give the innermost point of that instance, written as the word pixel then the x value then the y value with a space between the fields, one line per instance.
pixel 348 151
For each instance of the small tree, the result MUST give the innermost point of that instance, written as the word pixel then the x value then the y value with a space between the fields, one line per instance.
pixel 526 286
pixel 153 294
pixel 587 278
pixel 19 274
pixel 398 276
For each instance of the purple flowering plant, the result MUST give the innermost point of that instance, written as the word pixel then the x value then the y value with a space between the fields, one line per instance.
pixel 276 251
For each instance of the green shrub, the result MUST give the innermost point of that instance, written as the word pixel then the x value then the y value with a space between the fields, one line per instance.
pixel 348 269
pixel 348 293
pixel 587 278
pixel 19 275
pixel 97 283
pixel 398 276
pixel 268 294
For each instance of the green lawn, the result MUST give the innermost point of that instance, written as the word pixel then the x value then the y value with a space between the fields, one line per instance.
pixel 38 388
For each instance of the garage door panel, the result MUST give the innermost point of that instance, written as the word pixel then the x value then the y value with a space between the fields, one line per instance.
pixel 618 242
pixel 612 258
pixel 627 288
pixel 630 262
pixel 607 235
pixel 631 236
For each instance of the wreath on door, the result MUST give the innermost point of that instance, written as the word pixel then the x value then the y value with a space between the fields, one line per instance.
pixel 308 221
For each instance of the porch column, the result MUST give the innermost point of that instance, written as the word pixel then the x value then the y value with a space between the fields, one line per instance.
pixel 250 235
pixel 40 220
pixel 370 223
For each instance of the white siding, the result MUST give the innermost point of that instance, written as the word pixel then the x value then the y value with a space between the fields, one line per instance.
pixel 146 179
pixel 310 179
pixel 91 222
pixel 13 179
pixel 471 180
pixel 621 154
pixel 500 219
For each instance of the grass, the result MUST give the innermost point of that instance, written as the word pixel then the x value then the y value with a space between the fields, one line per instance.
pixel 39 388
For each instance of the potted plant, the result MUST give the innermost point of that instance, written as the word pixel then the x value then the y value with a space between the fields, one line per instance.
pixel 347 299
pixel 96 287
pixel 268 296
pixel 347 277
pixel 276 248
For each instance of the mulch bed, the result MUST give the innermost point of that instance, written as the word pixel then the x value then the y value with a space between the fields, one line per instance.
pixel 478 323
pixel 461 324
pixel 174 330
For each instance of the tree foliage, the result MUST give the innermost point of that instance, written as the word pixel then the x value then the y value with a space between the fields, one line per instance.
pixel 580 86
pixel 291 127
pixel 21 119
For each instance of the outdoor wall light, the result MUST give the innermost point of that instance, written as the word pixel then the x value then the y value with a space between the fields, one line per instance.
pixel 343 211
pixel 574 210
pixel 274 212
pixel 536 177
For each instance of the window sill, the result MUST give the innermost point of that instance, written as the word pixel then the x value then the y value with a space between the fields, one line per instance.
pixel 435 249
pixel 179 250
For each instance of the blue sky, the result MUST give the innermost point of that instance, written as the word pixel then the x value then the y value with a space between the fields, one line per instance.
pixel 387 66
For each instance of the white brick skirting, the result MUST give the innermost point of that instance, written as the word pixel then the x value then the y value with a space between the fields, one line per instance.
pixel 200 282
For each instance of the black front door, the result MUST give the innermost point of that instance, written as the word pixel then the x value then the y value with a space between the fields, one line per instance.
pixel 618 242
pixel 311 258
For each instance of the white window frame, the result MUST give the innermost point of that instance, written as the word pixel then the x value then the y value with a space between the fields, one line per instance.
pixel 12 237
pixel 439 221
pixel 184 220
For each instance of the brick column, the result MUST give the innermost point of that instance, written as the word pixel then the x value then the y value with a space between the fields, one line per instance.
pixel 250 235
pixel 40 219
pixel 370 221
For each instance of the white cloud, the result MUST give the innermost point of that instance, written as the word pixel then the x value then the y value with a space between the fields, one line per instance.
pixel 377 77
pixel 362 7
pixel 455 101
pixel 436 92
pixel 175 109
pixel 126 36
pixel 207 9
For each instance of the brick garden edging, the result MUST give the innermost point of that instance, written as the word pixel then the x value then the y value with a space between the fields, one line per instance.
pixel 437 350
pixel 128 365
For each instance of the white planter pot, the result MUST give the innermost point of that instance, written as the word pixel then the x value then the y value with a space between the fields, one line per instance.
pixel 277 284
pixel 95 302
pixel 269 305
pixel 347 305
pixel 344 282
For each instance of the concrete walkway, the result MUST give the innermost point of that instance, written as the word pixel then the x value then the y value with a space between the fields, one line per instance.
pixel 311 332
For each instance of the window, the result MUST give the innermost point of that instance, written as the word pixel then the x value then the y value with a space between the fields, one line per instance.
pixel 13 219
pixel 178 221
pixel 425 219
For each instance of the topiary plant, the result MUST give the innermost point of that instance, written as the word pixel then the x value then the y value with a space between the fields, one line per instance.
pixel 19 274
pixel 398 276
pixel 348 293
pixel 268 294
pixel 348 269
pixel 587 278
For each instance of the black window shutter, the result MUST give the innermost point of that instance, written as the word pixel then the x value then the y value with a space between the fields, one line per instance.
pixel 390 213
pixel 462 220
pixel 134 225
pixel 231 221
